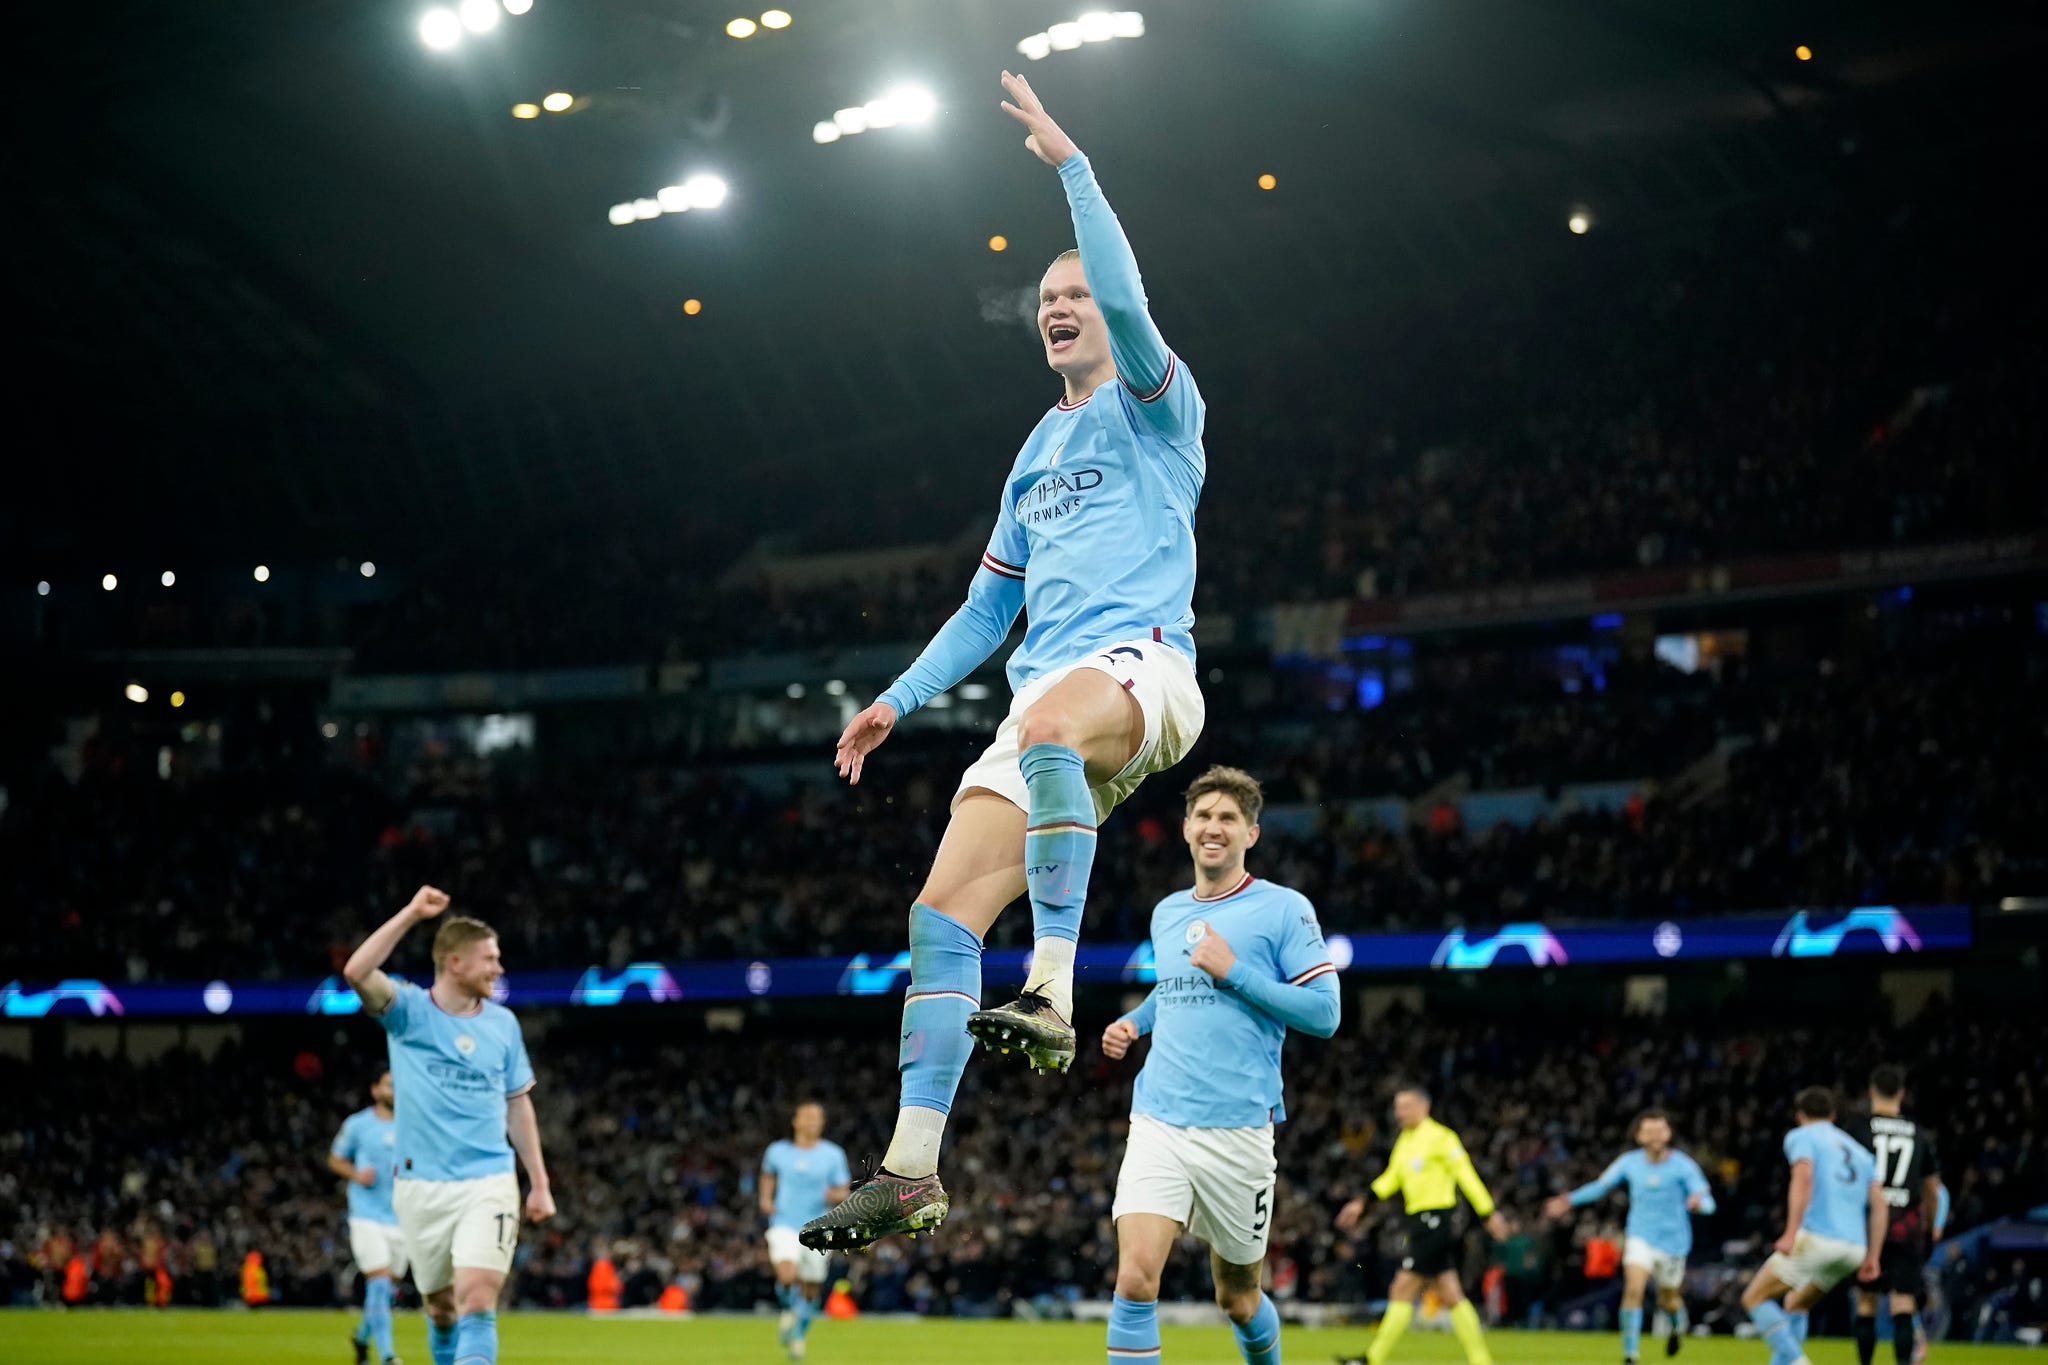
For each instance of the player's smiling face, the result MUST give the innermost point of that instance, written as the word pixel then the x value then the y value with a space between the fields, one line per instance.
pixel 1218 834
pixel 476 968
pixel 1069 324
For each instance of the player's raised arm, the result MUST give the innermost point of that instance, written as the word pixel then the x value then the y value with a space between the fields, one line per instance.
pixel 365 967
pixel 1143 361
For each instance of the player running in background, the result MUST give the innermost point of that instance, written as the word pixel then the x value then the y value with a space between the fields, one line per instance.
pixel 1834 1225
pixel 364 1153
pixel 1095 541
pixel 459 1057
pixel 1241 961
pixel 1911 1175
pixel 801 1175
pixel 1665 1188
pixel 1428 1167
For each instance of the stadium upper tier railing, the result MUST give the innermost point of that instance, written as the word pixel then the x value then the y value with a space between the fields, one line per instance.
pixel 1789 934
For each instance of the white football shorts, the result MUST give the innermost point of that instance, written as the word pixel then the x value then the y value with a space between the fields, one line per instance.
pixel 1217 1182
pixel 1161 678
pixel 450 1223
pixel 377 1246
pixel 783 1246
pixel 1666 1270
pixel 1822 1262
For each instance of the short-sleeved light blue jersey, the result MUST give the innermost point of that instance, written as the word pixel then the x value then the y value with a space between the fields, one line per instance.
pixel 1095 529
pixel 1215 1059
pixel 453 1074
pixel 367 1140
pixel 1842 1172
pixel 1657 1191
pixel 802 1176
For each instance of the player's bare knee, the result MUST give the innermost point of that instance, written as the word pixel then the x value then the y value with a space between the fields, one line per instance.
pixel 1048 724
pixel 1241 1305
pixel 1137 1283
pixel 440 1308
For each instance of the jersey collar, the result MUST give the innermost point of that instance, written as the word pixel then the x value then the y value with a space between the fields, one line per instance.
pixel 1243 882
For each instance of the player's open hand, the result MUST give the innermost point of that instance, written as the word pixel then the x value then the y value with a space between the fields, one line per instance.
pixel 861 737
pixel 1046 139
pixel 1213 955
pixel 1348 1216
pixel 1557 1206
pixel 540 1204
pixel 427 902
pixel 1117 1039
pixel 1870 1270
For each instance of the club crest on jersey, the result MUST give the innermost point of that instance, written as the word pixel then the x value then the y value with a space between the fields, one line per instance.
pixel 464 1044
pixel 1197 930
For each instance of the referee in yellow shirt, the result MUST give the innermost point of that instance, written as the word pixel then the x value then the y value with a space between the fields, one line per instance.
pixel 1428 1166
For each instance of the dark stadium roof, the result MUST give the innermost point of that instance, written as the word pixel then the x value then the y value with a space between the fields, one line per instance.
pixel 244 221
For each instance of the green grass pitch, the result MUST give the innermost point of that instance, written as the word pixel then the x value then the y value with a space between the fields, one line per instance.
pixel 305 1338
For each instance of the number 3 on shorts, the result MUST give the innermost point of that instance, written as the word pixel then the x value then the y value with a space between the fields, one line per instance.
pixel 1261 1209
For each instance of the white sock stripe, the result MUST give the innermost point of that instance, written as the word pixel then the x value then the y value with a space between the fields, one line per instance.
pixel 919 997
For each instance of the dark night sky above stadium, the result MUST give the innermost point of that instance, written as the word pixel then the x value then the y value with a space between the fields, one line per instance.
pixel 241 214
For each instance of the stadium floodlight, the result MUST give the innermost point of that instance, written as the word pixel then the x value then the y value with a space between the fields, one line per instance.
pixel 167 578
pixel 621 214
pixel 673 199
pixel 1127 23
pixel 515 8
pixel 795 691
pixel 881 113
pixel 913 103
pixel 741 27
pixel 557 101
pixel 1096 26
pixel 1035 48
pixel 775 18
pixel 440 29
pixel 136 693
pixel 850 120
pixel 367 569
pixel 177 699
pixel 835 687
pixel 824 132
pixel 644 209
pixel 704 191
pixel 526 110
pixel 108 582
pixel 1580 222
pixel 479 16
pixel 42 587
pixel 1064 37
pixel 262 573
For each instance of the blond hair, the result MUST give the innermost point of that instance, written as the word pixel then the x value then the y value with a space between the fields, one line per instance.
pixel 456 933
pixel 1235 783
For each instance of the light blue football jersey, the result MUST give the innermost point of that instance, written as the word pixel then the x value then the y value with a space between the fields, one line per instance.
pixel 1657 1191
pixel 367 1140
pixel 1095 529
pixel 453 1074
pixel 1843 1170
pixel 1215 1058
pixel 802 1176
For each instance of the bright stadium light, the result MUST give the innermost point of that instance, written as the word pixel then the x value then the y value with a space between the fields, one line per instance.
pixel 999 243
pixel 515 8
pixel 108 582
pixel 479 16
pixel 1127 23
pixel 673 199
pixel 775 18
pixel 824 132
pixel 1065 37
pixel 557 101
pixel 704 191
pixel 740 28
pixel 644 209
pixel 1803 53
pixel 795 691
pixel 167 578
pixel 177 699
pixel 913 103
pixel 1096 26
pixel 136 693
pixel 835 687
pixel 850 120
pixel 1035 48
pixel 1267 181
pixel 262 573
pixel 42 587
pixel 621 214
pixel 880 113
pixel 440 29
pixel 526 110
pixel 1580 222
pixel 692 307
pixel 367 569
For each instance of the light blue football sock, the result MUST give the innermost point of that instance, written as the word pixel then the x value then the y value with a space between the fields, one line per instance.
pixel 1258 1341
pixel 1631 1332
pixel 377 1316
pixel 1801 1323
pixel 945 987
pixel 1059 839
pixel 441 1342
pixel 476 1338
pixel 806 1309
pixel 1776 1327
pixel 1133 1332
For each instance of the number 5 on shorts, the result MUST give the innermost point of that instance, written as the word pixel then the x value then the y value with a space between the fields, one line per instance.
pixel 1261 1210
